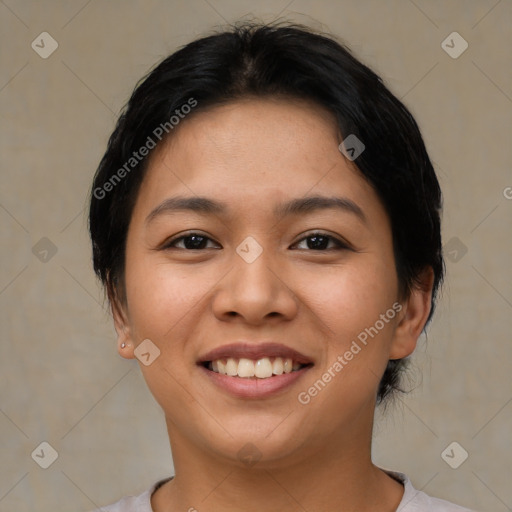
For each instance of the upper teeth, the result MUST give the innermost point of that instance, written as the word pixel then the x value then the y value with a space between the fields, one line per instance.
pixel 262 368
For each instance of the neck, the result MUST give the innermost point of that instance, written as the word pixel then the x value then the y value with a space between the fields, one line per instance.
pixel 338 474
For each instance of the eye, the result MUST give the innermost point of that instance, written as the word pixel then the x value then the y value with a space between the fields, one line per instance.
pixel 316 241
pixel 320 241
pixel 192 241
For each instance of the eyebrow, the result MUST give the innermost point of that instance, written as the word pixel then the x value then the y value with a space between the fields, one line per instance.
pixel 300 206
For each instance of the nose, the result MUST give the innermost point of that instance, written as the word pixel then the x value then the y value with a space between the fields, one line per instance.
pixel 255 292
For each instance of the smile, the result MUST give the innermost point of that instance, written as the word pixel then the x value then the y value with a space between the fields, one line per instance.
pixel 263 368
pixel 252 370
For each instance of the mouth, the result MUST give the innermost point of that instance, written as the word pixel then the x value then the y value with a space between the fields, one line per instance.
pixel 263 368
pixel 249 370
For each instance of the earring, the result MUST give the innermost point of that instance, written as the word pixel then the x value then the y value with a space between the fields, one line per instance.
pixel 123 344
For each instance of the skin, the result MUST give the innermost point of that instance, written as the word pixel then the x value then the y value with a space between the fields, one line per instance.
pixel 253 154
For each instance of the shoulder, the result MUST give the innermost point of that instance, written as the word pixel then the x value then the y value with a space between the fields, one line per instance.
pixel 412 500
pixel 139 503
pixel 417 501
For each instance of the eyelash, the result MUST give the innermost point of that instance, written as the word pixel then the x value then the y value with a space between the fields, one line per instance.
pixel 340 245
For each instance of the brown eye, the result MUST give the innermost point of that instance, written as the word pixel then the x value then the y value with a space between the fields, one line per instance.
pixel 191 241
pixel 320 242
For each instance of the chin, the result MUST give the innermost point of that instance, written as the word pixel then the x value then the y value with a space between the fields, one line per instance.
pixel 265 446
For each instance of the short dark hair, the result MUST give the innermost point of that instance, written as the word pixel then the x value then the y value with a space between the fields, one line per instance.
pixel 278 60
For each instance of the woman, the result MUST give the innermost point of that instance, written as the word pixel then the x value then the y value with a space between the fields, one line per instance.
pixel 266 223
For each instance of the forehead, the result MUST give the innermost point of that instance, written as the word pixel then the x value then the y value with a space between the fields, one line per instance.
pixel 266 131
pixel 255 152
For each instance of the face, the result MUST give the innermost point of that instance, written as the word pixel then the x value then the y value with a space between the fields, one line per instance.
pixel 249 279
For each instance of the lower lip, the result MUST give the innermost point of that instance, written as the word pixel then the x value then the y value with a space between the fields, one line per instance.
pixel 242 387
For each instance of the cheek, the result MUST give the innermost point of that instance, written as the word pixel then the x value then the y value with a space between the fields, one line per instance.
pixel 160 295
pixel 354 298
pixel 357 306
pixel 164 302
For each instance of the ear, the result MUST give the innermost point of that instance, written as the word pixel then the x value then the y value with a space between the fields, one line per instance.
pixel 413 317
pixel 125 345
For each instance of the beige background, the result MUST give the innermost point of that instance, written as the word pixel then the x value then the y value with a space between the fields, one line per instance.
pixel 62 380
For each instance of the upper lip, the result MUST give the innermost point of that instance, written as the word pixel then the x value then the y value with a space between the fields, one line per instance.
pixel 254 351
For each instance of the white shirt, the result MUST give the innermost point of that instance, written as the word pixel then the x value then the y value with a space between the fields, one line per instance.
pixel 412 500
